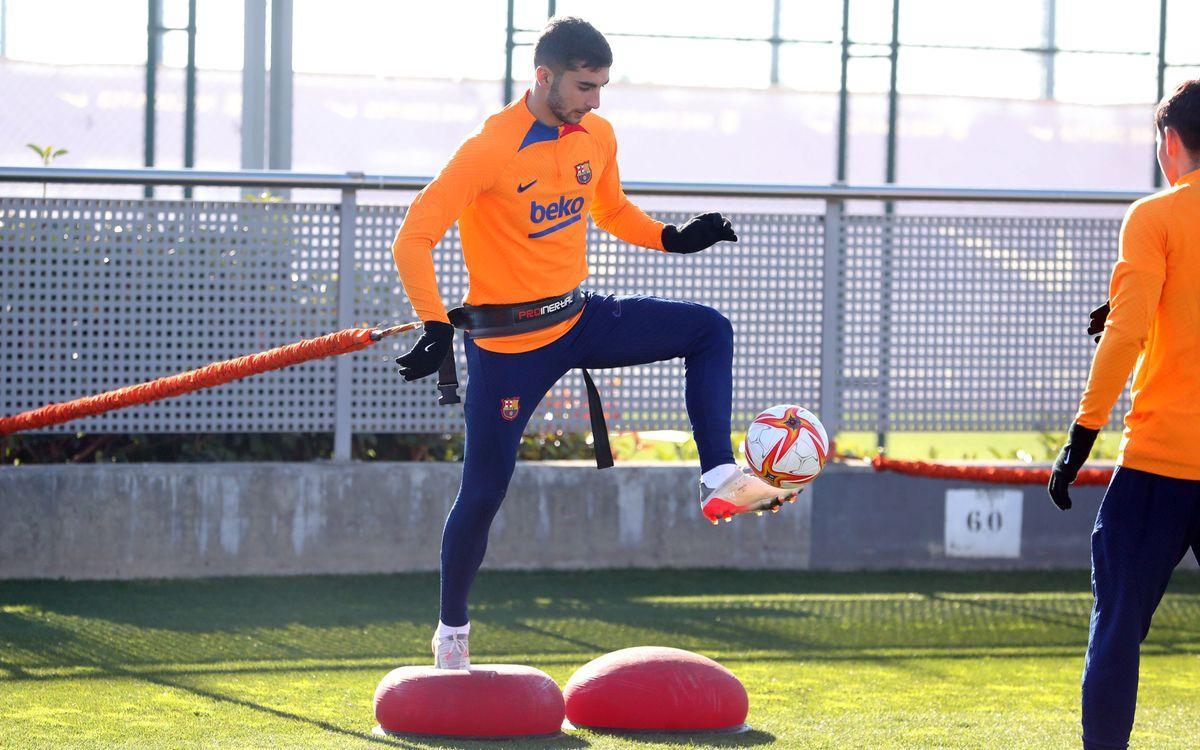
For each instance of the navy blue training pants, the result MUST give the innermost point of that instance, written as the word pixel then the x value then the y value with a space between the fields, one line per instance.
pixel 1144 528
pixel 503 390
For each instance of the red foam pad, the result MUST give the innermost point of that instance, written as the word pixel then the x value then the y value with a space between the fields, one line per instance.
pixel 496 700
pixel 655 688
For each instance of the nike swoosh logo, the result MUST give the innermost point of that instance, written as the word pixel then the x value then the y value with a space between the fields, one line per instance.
pixel 523 188
pixel 430 347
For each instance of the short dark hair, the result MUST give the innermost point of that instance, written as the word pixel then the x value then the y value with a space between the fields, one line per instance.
pixel 1180 111
pixel 570 43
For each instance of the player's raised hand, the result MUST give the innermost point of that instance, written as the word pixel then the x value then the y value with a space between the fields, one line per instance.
pixel 429 351
pixel 1096 319
pixel 699 233
pixel 1070 459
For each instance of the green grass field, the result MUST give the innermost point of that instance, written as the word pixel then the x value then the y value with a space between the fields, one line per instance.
pixel 903 660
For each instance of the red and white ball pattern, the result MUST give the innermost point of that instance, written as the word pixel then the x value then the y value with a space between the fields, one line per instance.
pixel 786 446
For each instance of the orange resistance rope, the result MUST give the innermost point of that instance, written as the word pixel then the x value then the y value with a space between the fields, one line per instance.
pixel 355 339
pixel 217 373
pixel 990 474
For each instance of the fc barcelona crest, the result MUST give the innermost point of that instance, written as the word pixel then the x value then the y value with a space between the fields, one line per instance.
pixel 510 407
pixel 583 172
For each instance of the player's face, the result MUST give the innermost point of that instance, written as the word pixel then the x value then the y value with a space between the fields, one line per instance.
pixel 574 93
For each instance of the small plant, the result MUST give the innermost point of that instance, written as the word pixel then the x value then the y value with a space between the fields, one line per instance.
pixel 1049 443
pixel 47 155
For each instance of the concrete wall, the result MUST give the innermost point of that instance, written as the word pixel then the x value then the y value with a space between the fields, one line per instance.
pixel 182 520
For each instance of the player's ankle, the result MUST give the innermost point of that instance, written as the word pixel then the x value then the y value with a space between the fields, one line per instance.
pixel 718 474
pixel 445 631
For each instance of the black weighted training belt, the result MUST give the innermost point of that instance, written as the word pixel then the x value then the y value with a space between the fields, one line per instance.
pixel 448 379
pixel 490 321
pixel 603 451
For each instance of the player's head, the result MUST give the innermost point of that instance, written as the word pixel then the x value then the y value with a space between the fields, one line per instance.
pixel 1177 120
pixel 572 60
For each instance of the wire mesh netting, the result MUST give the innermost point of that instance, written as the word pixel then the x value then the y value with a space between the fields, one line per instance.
pixel 942 323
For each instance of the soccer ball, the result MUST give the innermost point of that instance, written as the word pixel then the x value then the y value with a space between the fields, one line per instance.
pixel 786 446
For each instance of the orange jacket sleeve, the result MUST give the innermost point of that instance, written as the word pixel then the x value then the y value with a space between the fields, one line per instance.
pixel 616 214
pixel 473 169
pixel 1134 292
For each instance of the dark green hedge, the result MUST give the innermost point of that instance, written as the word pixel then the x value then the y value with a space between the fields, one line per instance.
pixel 208 447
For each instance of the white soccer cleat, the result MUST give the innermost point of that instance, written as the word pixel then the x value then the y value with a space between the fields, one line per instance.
pixel 742 492
pixel 451 652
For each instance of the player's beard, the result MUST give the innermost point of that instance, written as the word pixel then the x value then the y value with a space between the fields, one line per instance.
pixel 554 101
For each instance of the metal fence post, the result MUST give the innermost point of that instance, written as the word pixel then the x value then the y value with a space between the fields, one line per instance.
pixel 153 55
pixel 1156 173
pixel 508 55
pixel 189 97
pixel 884 382
pixel 831 307
pixel 347 220
pixel 775 41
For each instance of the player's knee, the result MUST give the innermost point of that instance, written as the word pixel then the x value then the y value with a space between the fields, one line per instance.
pixel 717 325
pixel 477 503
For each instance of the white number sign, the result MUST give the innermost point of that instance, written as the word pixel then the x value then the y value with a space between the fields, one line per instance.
pixel 983 523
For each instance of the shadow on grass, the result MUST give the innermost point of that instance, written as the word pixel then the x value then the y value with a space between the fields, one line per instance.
pixel 750 738
pixel 1160 631
pixel 199 605
pixel 556 618
pixel 161 633
pixel 105 669
pixel 383 667
pixel 231 700
pixel 423 741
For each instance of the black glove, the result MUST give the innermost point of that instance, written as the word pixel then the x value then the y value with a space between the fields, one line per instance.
pixel 429 351
pixel 1066 467
pixel 1096 320
pixel 700 232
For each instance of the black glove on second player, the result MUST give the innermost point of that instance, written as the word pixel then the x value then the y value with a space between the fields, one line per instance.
pixel 429 351
pixel 1070 459
pixel 1096 320
pixel 697 234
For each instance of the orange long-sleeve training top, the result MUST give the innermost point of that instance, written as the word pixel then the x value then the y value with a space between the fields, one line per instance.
pixel 521 191
pixel 1154 324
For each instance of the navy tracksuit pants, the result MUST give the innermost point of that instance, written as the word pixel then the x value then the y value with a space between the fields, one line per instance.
pixel 503 390
pixel 1144 528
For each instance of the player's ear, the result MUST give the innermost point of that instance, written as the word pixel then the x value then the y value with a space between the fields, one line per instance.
pixel 1171 136
pixel 544 76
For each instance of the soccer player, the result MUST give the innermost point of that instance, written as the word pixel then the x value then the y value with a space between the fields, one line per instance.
pixel 1150 514
pixel 521 187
